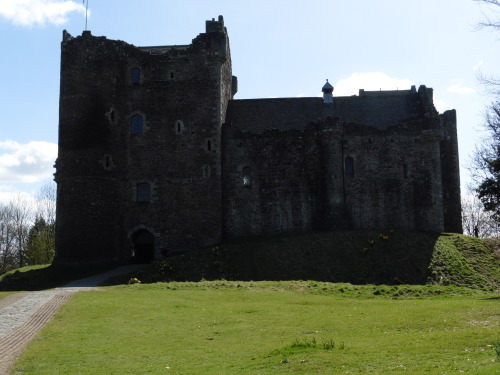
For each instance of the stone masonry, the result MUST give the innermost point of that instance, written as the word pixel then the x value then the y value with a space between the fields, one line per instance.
pixel 156 157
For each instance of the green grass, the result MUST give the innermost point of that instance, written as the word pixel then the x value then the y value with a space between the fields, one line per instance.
pixel 300 327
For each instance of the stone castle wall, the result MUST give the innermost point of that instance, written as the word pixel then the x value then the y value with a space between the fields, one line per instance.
pixel 156 157
pixel 300 181
pixel 180 95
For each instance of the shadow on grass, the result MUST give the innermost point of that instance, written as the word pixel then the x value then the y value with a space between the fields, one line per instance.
pixel 46 278
pixel 354 257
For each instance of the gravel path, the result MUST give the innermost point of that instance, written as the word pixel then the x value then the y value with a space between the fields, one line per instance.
pixel 23 315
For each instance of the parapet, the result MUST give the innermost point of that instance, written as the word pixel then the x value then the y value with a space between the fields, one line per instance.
pixel 215 26
pixel 66 36
pixel 381 92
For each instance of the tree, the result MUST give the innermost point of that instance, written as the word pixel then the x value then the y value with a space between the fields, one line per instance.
pixel 488 22
pixel 27 229
pixel 15 220
pixel 486 160
pixel 41 243
pixel 46 202
pixel 486 163
pixel 475 220
pixel 21 218
pixel 7 244
pixel 40 249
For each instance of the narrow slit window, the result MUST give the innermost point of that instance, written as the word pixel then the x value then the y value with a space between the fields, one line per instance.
pixel 136 75
pixel 247 177
pixel 143 193
pixel 405 171
pixel 209 145
pixel 137 124
pixel 349 166
pixel 179 126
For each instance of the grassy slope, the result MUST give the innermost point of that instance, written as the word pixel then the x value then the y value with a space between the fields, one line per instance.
pixel 357 257
pixel 224 327
pixel 266 327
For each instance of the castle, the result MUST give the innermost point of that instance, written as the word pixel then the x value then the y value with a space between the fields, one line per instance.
pixel 157 157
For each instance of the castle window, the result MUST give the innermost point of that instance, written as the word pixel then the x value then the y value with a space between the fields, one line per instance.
pixel 179 126
pixel 405 171
pixel 206 170
pixel 137 124
pixel 349 166
pixel 143 193
pixel 136 76
pixel 247 177
pixel 107 162
pixel 209 145
pixel 112 116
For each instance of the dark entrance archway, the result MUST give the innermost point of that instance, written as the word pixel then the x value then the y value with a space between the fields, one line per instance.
pixel 143 242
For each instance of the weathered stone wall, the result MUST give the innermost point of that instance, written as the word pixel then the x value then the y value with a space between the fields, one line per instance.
pixel 181 94
pixel 396 182
pixel 451 174
pixel 146 164
pixel 299 180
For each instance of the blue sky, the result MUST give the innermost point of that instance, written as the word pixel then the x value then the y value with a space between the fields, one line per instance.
pixel 279 49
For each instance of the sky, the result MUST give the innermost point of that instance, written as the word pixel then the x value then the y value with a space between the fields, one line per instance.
pixel 279 49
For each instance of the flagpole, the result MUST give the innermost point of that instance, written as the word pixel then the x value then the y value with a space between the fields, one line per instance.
pixel 86 12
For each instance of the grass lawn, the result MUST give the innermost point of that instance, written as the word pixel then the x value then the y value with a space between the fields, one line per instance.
pixel 223 327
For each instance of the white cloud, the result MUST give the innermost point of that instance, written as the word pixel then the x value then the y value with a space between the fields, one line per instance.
pixel 39 12
pixel 461 89
pixel 478 65
pixel 372 81
pixel 28 163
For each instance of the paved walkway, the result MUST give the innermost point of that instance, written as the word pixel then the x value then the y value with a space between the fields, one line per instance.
pixel 23 315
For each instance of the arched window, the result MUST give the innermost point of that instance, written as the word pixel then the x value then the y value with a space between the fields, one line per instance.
pixel 137 124
pixel 143 192
pixel 349 166
pixel 247 177
pixel 136 76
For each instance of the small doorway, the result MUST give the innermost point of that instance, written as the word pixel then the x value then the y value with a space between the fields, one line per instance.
pixel 143 243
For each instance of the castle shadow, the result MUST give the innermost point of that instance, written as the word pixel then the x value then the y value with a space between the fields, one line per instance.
pixel 356 257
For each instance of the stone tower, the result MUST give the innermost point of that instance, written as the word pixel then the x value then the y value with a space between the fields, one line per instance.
pixel 139 164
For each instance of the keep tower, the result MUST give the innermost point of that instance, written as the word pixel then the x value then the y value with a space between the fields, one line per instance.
pixel 139 164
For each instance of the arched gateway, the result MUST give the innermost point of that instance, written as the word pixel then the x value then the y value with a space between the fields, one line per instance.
pixel 143 246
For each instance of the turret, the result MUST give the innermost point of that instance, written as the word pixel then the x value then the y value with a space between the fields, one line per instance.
pixel 327 92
